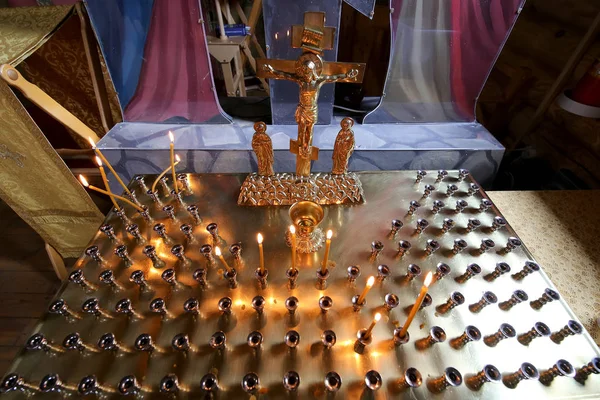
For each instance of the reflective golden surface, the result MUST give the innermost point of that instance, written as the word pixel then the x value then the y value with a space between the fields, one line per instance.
pixel 355 228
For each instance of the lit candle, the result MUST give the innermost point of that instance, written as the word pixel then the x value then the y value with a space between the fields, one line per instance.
pixel 417 304
pixel 368 287
pixel 220 255
pixel 172 154
pixel 112 195
pixel 164 172
pixel 293 240
pixel 106 186
pixel 99 154
pixel 370 329
pixel 327 247
pixel 261 255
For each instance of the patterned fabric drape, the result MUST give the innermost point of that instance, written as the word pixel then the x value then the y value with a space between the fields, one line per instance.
pixel 37 184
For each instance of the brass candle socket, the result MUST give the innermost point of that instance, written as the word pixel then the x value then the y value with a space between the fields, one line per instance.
pixel 442 269
pixel 73 341
pixel 139 179
pixel 89 385
pixel 250 383
pixel 225 304
pixel 356 306
pixel 436 335
pixel 77 277
pixel 139 279
pixel 410 379
pixel 150 252
pixel 321 283
pixel 460 206
pixel 325 304
pixel 517 297
pixel 94 253
pixel 452 377
pixel 124 306
pixel 420 175
pixel 383 272
pixel 427 301
pixel 561 368
pixel 129 386
pixel 159 306
pixel 178 251
pixel 218 340
pixel 412 271
pixel 437 206
pixel 291 339
pixel 376 249
pixel 291 304
pixel 455 299
pixel 333 382
pixel 428 189
pixel 92 306
pixel 593 367
pixel 306 217
pixel 487 299
pixel 473 188
pixel 185 183
pixel 199 276
pixel 164 186
pixel 255 340
pixel 447 225
pixel 39 342
pixel 161 230
pixel 154 197
pixel 571 328
pixel 108 278
pixel 471 334
pixel 170 211
pixel 206 251
pixel 396 226
pixel 261 277
pixel 498 223
pixel 390 301
pixel 451 189
pixel 193 210
pixel 459 245
pixel 362 341
pixel 485 205
pixel 501 269
pixel 169 384
pixel 328 338
pixel 489 373
pixel 258 304
pixel 442 174
pixel 52 383
pixel 486 245
pixel 145 213
pixel 192 306
pixel 122 215
pixel 431 247
pixel 145 343
pixel 527 371
pixel 170 277
pixel 122 252
pixel 209 383
pixel 213 230
pixel 400 340
pixel 512 244
pixel 292 275
pixel 529 268
pixel 472 270
pixel 291 381
pixel 539 329
pixel 506 331
pixel 463 174
pixel 188 231
pixel 14 382
pixel 373 380
pixel 134 231
pixel 413 206
pixel 473 224
pixel 60 307
pixel 181 342
pixel 231 276
pixel 422 224
pixel 548 296
pixel 353 273
pixel 108 342
pixel 109 231
pixel 403 247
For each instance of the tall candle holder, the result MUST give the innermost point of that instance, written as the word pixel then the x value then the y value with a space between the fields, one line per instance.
pixel 506 331
pixel 571 328
pixel 452 377
pixel 593 367
pixel 411 378
pixel 525 372
pixel 306 217
pixel 560 368
pixel 548 296
pixel 489 373
pixel 539 329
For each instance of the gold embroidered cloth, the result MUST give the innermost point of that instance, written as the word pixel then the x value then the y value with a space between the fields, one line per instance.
pixel 36 183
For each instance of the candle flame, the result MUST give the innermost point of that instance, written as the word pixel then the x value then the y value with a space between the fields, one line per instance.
pixel 98 161
pixel 370 281
pixel 428 279
pixel 171 137
pixel 259 238
pixel 84 182
pixel 218 251
pixel 377 317
pixel 329 234
pixel 177 157
pixel 292 229
pixel 92 142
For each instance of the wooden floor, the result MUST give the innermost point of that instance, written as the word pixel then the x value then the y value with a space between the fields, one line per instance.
pixel 27 283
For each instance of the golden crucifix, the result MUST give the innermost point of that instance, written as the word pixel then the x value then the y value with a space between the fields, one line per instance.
pixel 310 72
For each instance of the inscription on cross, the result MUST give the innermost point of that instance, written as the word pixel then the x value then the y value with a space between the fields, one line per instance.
pixel 310 72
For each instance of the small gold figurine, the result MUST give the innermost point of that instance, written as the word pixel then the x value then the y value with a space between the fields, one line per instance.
pixel 343 147
pixel 263 148
pixel 310 72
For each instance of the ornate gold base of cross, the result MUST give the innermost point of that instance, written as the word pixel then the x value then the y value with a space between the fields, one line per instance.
pixel 310 72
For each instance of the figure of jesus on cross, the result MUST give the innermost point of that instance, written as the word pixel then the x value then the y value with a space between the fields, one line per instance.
pixel 310 72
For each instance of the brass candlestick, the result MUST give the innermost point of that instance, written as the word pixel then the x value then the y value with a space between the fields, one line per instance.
pixel 489 373
pixel 306 217
pixel 527 371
